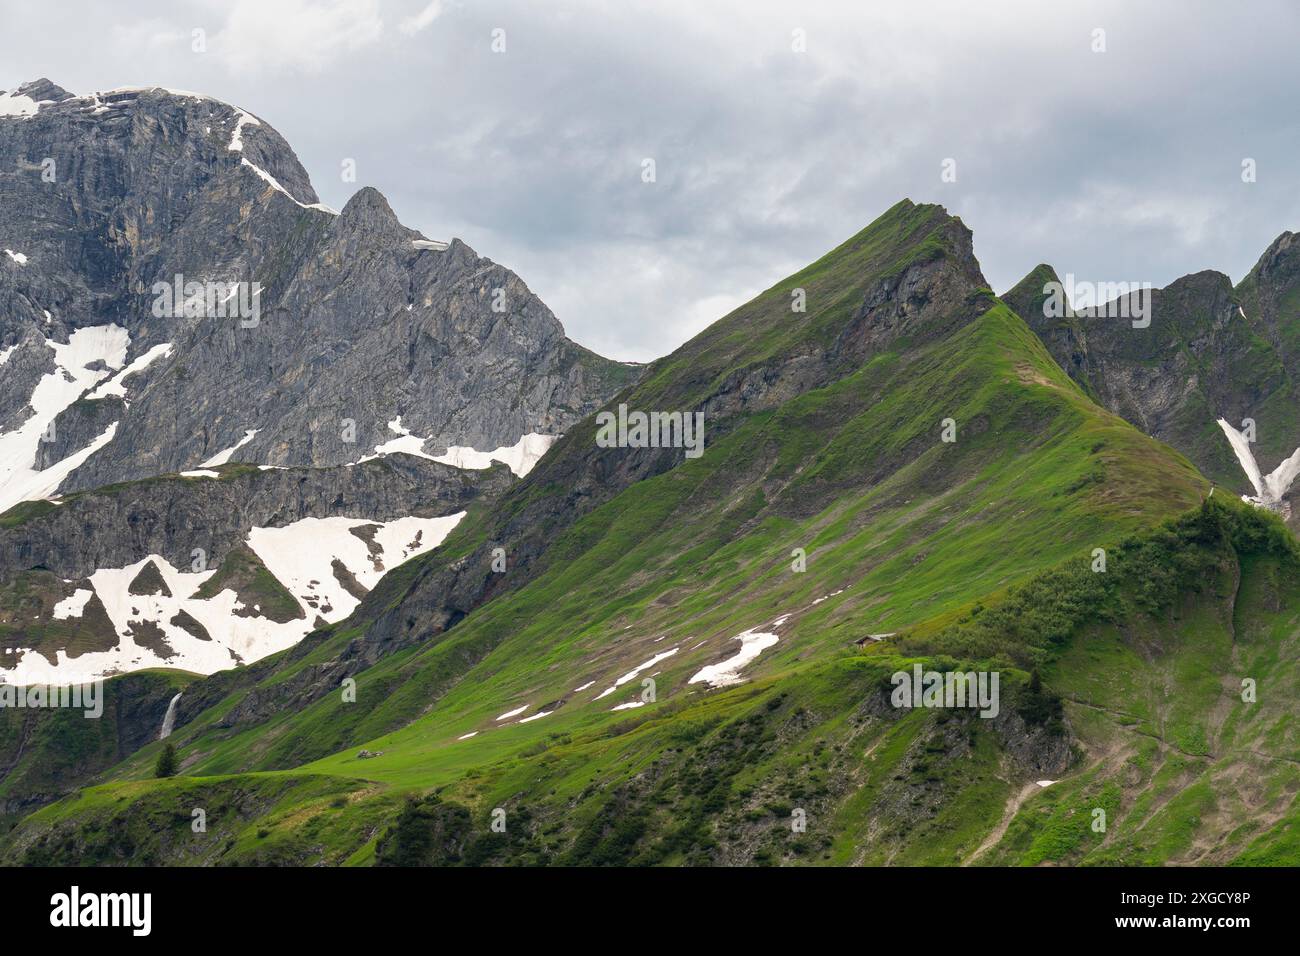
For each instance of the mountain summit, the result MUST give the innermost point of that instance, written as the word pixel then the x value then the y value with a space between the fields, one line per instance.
pixel 165 220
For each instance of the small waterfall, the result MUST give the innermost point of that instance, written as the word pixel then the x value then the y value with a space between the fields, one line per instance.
pixel 169 719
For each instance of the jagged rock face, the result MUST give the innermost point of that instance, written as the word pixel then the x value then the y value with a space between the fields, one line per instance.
pixel 1203 357
pixel 117 526
pixel 360 320
pixel 214 568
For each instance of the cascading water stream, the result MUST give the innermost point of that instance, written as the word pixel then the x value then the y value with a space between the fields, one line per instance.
pixel 169 719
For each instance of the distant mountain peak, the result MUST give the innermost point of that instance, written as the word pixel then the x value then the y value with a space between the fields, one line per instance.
pixel 43 91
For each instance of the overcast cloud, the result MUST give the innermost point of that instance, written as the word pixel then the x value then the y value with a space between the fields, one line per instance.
pixel 1119 165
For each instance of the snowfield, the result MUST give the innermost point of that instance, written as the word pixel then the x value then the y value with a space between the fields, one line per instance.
pixel 19 479
pixel 302 557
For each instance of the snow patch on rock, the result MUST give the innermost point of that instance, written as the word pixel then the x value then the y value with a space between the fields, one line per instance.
pixel 519 457
pixel 19 481
pixel 223 457
pixel 116 385
pixel 73 606
pixel 18 105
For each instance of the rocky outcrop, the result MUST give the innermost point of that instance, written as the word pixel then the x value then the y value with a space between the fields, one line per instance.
pixel 1209 352
pixel 172 515
pixel 109 197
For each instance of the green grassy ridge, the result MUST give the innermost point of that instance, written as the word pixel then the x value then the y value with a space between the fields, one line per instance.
pixel 663 536
pixel 1030 622
pixel 903 235
pixel 1186 771
pixel 765 328
pixel 908 528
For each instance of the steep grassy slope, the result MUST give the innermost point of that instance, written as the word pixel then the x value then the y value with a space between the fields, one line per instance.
pixel 1147 657
pixel 825 433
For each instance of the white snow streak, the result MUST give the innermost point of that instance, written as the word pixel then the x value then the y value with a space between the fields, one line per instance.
pixel 223 457
pixel 1271 488
pixel 634 671
pixel 275 184
pixel 237 137
pixel 19 481
pixel 726 673
pixel 116 385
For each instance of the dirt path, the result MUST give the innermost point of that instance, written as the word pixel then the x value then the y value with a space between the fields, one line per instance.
pixel 1013 807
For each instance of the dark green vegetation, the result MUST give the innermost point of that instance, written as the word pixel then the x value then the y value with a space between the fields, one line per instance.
pixel 46 753
pixel 243 572
pixel 166 765
pixel 27 617
pixel 825 434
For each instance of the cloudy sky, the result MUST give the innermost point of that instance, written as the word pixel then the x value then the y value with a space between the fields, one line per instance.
pixel 777 130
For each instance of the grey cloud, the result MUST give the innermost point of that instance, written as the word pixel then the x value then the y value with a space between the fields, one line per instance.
pixel 1122 165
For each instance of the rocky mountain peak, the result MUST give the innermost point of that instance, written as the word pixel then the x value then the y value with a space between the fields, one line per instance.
pixel 368 211
pixel 43 91
pixel 122 198
pixel 1279 256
